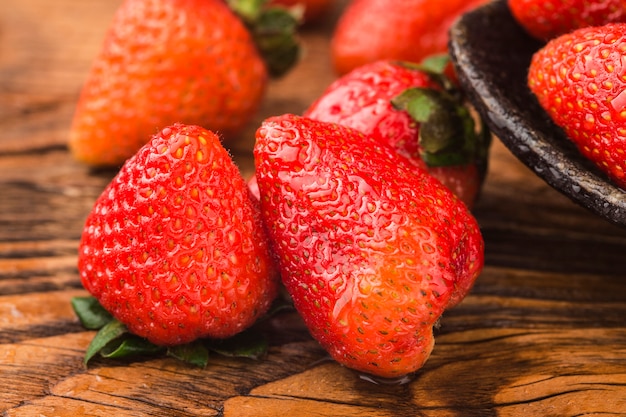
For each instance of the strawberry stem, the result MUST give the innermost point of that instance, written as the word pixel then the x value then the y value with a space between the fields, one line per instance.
pixel 435 63
pixel 274 30
pixel 248 10
pixel 435 66
pixel 447 134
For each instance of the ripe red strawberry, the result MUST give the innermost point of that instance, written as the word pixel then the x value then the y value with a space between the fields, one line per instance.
pixel 408 30
pixel 578 79
pixel 163 62
pixel 371 249
pixel 173 247
pixel 546 19
pixel 451 149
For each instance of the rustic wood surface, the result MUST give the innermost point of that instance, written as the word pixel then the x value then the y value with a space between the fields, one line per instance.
pixel 543 333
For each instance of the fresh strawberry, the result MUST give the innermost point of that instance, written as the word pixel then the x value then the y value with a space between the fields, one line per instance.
pixel 170 61
pixel 547 19
pixel 578 79
pixel 173 247
pixel 408 30
pixel 371 249
pixel 391 99
pixel 312 10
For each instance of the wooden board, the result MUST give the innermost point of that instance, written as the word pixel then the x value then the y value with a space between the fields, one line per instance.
pixel 543 333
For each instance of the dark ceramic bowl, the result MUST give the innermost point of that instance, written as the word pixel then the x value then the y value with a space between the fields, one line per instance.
pixel 491 54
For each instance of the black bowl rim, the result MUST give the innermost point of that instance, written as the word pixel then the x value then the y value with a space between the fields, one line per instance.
pixel 491 53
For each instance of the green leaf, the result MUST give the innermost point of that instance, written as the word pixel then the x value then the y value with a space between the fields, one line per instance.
pixel 129 346
pixel 90 313
pixel 115 341
pixel 418 102
pixel 108 333
pixel 274 30
pixel 435 67
pixel 248 10
pixel 194 353
pixel 435 64
pixel 274 33
pixel 250 344
pixel 422 107
pixel 446 133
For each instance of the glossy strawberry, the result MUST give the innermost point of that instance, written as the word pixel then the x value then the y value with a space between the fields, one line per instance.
pixel 173 247
pixel 578 79
pixel 374 98
pixel 163 62
pixel 408 30
pixel 546 19
pixel 371 249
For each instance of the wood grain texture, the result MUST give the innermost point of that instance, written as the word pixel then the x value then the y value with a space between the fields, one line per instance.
pixel 543 333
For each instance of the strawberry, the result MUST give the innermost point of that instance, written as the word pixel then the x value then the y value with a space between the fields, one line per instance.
pixel 374 98
pixel 168 61
pixel 578 80
pixel 547 19
pixel 173 247
pixel 408 30
pixel 371 249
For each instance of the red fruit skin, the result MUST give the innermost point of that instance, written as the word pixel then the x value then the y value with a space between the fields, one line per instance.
pixel 361 100
pixel 164 62
pixel 465 181
pixel 371 250
pixel 578 79
pixel 173 247
pixel 407 30
pixel 547 19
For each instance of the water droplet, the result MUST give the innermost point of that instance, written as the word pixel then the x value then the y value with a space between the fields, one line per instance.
pixel 401 380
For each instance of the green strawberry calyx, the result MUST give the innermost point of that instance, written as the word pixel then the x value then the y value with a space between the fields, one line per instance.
pixel 113 340
pixel 274 30
pixel 448 133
